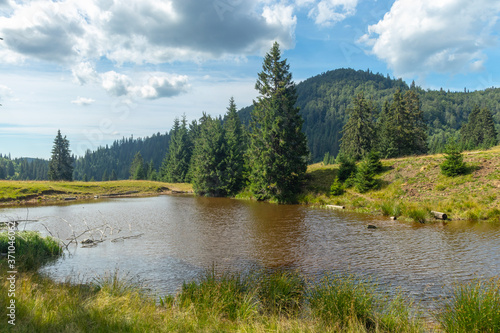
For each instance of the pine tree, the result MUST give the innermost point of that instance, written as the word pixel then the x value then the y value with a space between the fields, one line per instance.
pixel 358 131
pixel 235 150
pixel 137 168
pixel 487 127
pixel 209 167
pixel 61 163
pixel 364 179
pixel 470 132
pixel 175 166
pixel 278 151
pixel 453 165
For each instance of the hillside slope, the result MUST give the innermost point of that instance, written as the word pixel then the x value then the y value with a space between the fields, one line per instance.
pixel 414 186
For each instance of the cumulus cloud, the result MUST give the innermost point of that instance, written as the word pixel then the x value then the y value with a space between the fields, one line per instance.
pixel 139 31
pixel 84 73
pixel 419 36
pixel 163 86
pixel 83 101
pixel 329 12
pixel 159 85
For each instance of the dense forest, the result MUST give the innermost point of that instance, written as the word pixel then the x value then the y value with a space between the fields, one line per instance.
pixel 325 101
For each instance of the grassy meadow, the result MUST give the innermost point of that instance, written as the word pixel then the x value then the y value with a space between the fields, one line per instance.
pixel 411 187
pixel 12 192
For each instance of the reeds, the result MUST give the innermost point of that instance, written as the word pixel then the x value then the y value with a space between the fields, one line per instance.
pixel 472 307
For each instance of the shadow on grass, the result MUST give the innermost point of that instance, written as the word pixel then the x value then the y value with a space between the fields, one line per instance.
pixel 320 180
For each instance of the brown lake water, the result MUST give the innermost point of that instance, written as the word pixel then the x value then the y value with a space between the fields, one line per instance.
pixel 183 236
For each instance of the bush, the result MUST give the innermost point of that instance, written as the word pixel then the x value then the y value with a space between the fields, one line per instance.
pixel 365 180
pixel 453 165
pixel 347 167
pixel 337 188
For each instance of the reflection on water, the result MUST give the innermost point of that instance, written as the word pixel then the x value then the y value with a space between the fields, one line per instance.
pixel 184 236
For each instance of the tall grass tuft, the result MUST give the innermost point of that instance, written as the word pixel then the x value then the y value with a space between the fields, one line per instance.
pixel 417 214
pixel 31 250
pixel 224 296
pixel 390 208
pixel 473 307
pixel 281 292
pixel 342 300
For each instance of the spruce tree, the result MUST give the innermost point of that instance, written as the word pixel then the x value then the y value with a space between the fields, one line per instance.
pixel 486 126
pixel 209 170
pixel 175 166
pixel 358 131
pixel 277 155
pixel 364 179
pixel 61 163
pixel 235 150
pixel 137 168
pixel 453 165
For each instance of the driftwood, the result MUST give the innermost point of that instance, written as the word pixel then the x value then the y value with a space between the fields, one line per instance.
pixel 335 207
pixel 439 215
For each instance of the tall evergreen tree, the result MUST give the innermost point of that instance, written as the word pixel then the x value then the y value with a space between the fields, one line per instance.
pixel 137 167
pixel 358 131
pixel 235 150
pixel 175 166
pixel 278 149
pixel 209 168
pixel 61 163
pixel 403 128
pixel 489 133
pixel 479 131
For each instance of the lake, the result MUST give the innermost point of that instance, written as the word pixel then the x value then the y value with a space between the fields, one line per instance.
pixel 165 240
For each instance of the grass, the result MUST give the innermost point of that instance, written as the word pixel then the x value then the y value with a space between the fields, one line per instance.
pixel 410 187
pixel 41 191
pixel 473 307
pixel 30 250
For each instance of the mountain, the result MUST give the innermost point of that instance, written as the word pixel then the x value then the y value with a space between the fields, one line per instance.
pixel 324 101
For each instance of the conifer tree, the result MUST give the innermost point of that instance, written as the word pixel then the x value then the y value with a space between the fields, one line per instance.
pixel 358 131
pixel 175 166
pixel 137 168
pixel 453 165
pixel 479 132
pixel 61 163
pixel 209 167
pixel 277 155
pixel 364 179
pixel 235 149
pixel 487 126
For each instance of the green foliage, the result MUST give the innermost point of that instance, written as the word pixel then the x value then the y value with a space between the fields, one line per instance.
pixel 137 168
pixel 337 188
pixel 61 162
pixel 209 168
pixel 373 159
pixel 358 131
pixel 175 166
pixel 282 292
pixel 479 131
pixel 347 167
pixel 31 250
pixel 364 179
pixel 402 128
pixel 235 150
pixel 473 307
pixel 453 165
pixel 277 155
pixel 417 214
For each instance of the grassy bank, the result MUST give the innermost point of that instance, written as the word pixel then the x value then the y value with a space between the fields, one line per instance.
pixel 411 187
pixel 12 192
pixel 263 301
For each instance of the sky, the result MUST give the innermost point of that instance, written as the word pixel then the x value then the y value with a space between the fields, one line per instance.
pixel 100 70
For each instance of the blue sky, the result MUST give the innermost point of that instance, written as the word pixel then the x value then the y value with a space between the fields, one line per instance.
pixel 100 70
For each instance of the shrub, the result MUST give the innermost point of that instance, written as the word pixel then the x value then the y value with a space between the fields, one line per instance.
pixel 337 188
pixel 364 180
pixel 347 167
pixel 453 165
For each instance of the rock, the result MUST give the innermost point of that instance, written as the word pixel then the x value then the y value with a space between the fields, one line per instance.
pixel 87 241
pixel 371 226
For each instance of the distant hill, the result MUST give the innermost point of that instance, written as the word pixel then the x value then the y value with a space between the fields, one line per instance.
pixel 324 100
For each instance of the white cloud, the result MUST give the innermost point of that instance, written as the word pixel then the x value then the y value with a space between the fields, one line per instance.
pixel 163 86
pixel 5 92
pixel 142 31
pixel 83 101
pixel 159 85
pixel 419 36
pixel 329 12
pixel 84 73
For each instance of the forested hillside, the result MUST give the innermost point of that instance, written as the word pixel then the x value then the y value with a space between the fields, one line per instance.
pixel 23 168
pixel 111 163
pixel 325 99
